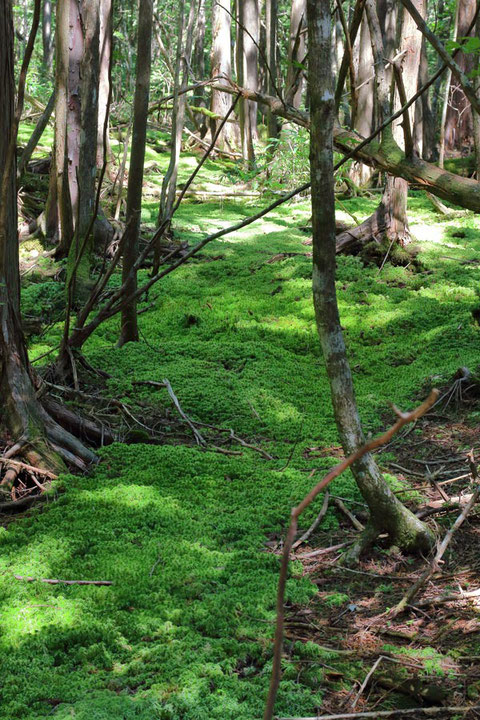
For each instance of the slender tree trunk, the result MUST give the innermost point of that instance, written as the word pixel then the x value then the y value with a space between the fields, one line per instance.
pixel 296 53
pixel 364 116
pixel 476 116
pixel 251 21
pixel 104 81
pixel 58 216
pixel 221 62
pixel 426 146
pixel 184 52
pixel 198 67
pixel 387 512
pixel 47 36
pixel 129 326
pixel 244 65
pixel 271 8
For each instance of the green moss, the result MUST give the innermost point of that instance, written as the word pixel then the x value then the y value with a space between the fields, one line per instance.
pixel 192 639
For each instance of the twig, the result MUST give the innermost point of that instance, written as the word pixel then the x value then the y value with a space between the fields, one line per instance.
pixel 403 419
pixel 365 682
pixel 356 523
pixel 415 712
pixel 55 581
pixel 198 436
pixel 315 523
pixel 408 597
pixel 322 551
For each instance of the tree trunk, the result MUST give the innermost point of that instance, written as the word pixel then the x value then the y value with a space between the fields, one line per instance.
pixel 476 116
pixel 296 53
pixel 459 122
pixel 198 67
pixel 81 248
pixel 47 36
pixel 251 21
pixel 387 512
pixel 244 105
pixel 129 327
pixel 271 8
pixel 182 70
pixel 40 440
pixel 58 215
pixel 104 82
pixel 364 115
pixel 221 62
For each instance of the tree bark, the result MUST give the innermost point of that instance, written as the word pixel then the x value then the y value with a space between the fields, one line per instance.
pixel 104 81
pixel 182 73
pixel 244 105
pixel 459 120
pixel 41 441
pixel 387 512
pixel 129 326
pixel 251 21
pixel 81 248
pixel 271 19
pixel 221 63
pixel 296 53
pixel 47 36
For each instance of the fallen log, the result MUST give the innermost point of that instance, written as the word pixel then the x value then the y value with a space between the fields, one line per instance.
pixel 386 156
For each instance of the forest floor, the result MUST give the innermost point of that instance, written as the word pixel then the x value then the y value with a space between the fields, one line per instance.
pixel 190 535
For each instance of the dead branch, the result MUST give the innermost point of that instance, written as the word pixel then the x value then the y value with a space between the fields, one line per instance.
pixel 403 419
pixel 28 468
pixel 375 714
pixel 315 523
pixel 198 436
pixel 55 581
pixel 343 508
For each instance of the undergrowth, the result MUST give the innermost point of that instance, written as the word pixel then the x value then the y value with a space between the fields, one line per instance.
pixel 185 632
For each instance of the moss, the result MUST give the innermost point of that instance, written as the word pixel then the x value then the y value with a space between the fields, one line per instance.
pixel 192 638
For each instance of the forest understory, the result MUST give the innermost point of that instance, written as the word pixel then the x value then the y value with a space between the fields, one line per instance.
pixel 221 418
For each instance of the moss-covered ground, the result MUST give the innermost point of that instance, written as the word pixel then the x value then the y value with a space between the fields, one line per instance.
pixel 185 632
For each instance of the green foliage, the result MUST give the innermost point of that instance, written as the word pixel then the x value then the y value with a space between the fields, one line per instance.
pixel 236 337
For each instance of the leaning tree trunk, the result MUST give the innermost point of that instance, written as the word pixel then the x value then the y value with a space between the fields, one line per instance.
pixel 388 514
pixel 36 436
pixel 129 326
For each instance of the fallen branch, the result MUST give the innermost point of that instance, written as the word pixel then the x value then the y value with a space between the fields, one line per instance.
pixel 342 507
pixel 55 581
pixel 198 436
pixel 433 567
pixel 403 419
pixel 315 523
pixel 374 714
